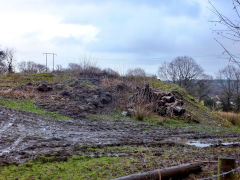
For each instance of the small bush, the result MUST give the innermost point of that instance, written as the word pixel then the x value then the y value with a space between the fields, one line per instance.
pixel 234 118
pixel 141 112
pixel 136 72
pixel 111 73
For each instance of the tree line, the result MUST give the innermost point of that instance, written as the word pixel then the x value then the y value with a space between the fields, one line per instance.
pixel 185 72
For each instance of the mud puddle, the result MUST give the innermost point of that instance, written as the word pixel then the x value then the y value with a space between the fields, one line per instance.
pixel 209 143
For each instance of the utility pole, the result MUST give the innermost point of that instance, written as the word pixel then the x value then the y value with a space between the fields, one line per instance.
pixel 53 60
pixel 46 59
pixel 53 55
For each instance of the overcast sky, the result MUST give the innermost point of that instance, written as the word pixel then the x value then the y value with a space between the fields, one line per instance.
pixel 120 34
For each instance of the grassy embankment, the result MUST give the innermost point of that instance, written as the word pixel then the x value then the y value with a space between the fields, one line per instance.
pixel 28 105
pixel 196 109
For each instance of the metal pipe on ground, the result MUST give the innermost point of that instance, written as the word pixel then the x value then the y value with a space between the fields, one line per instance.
pixel 174 172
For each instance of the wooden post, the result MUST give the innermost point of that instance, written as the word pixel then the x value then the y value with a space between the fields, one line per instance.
pixel 174 172
pixel 224 165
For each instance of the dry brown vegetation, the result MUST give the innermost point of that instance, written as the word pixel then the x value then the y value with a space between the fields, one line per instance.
pixel 234 118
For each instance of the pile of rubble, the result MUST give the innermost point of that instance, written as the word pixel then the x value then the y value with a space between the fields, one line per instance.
pixel 163 103
pixel 74 100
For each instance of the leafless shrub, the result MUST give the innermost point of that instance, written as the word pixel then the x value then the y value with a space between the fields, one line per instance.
pixel 111 73
pixel 59 68
pixel 141 109
pixel 136 72
pixel 86 67
pixel 110 82
pixel 141 113
pixel 74 67
pixel 31 67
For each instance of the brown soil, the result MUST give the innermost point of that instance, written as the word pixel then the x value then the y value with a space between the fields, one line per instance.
pixel 25 136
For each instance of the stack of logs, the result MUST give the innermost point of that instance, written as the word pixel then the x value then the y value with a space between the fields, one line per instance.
pixel 156 101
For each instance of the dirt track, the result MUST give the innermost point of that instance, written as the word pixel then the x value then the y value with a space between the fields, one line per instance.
pixel 25 136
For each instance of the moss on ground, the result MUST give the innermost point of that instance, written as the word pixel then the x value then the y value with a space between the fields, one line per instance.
pixel 28 106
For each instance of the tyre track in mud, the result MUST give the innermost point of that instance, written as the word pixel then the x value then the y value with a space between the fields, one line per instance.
pixel 25 136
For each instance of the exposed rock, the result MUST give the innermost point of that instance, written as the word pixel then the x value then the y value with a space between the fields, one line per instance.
pixel 44 88
pixel 178 110
pixel 106 98
pixel 59 86
pixel 120 87
pixel 29 84
pixel 66 93
pixel 162 111
pixel 169 99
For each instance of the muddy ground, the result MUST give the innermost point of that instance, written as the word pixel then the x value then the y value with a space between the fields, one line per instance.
pixel 25 136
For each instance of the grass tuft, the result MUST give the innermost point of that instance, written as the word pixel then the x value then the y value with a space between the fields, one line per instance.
pixel 141 112
pixel 234 118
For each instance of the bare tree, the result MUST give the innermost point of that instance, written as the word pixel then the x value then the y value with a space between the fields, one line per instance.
pixel 3 68
pixel 111 72
pixel 31 67
pixel 228 27
pixel 182 71
pixel 41 68
pixel 74 67
pixel 229 80
pixel 59 68
pixel 236 79
pixel 136 72
pixel 9 57
pixel 2 55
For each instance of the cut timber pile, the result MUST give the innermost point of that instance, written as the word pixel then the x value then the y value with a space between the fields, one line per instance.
pixel 163 103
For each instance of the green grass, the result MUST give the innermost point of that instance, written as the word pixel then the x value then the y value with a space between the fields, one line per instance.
pixel 153 120
pixel 87 84
pixel 196 109
pixel 28 106
pixel 140 159
pixel 20 79
pixel 111 149
pixel 75 168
